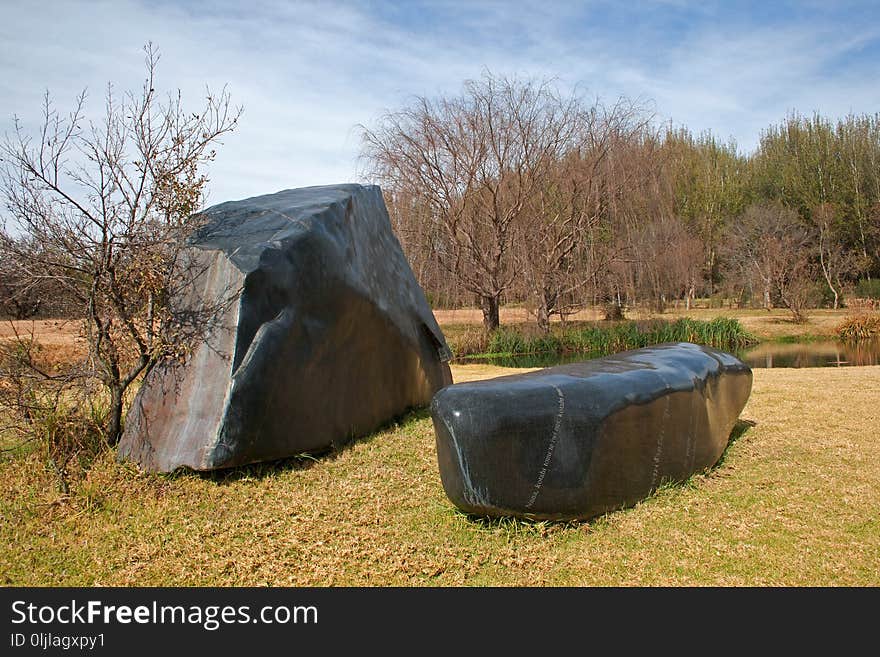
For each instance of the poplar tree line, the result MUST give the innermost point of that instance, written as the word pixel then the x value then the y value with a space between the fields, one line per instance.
pixel 512 192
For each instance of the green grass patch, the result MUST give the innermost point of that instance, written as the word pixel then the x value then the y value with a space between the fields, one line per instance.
pixel 599 339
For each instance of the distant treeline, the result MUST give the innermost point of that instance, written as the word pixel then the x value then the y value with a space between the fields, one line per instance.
pixel 513 193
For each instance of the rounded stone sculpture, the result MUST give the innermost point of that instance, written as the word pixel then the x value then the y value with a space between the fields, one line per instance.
pixel 320 334
pixel 579 440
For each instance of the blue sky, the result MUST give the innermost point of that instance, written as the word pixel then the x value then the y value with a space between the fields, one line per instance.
pixel 308 72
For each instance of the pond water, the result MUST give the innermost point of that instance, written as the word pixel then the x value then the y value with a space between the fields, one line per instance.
pixel 813 354
pixel 826 353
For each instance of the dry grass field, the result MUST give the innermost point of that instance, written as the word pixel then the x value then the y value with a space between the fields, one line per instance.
pixel 62 338
pixel 794 502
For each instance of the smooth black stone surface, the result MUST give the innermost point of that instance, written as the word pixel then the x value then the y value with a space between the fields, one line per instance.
pixel 576 441
pixel 328 335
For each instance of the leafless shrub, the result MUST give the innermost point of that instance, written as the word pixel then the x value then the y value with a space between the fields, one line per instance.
pixel 111 205
pixel 51 408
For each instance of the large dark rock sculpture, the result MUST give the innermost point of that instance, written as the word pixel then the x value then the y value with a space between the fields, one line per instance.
pixel 576 441
pixel 326 335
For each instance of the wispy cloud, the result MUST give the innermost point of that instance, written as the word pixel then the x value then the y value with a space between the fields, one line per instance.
pixel 308 72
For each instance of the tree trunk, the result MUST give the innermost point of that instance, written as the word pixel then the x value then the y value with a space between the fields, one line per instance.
pixel 830 285
pixel 546 305
pixel 543 315
pixel 826 273
pixel 114 421
pixel 489 306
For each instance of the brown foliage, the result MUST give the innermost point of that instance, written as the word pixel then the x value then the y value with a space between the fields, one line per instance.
pixel 859 326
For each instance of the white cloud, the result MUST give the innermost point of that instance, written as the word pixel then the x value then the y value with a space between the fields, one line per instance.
pixel 307 73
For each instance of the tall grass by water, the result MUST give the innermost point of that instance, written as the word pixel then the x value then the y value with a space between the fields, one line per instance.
pixel 602 339
pixel 859 327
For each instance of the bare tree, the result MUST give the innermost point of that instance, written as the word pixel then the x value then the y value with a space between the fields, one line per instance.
pixel 20 295
pixel 474 161
pixel 111 204
pixel 24 293
pixel 669 261
pixel 771 246
pixel 557 244
pixel 835 261
pixel 638 196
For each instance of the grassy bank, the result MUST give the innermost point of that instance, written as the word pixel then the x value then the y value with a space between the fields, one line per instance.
pixel 794 503
pixel 599 339
pixel 766 325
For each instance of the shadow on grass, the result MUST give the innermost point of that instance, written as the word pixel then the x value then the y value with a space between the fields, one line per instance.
pixel 298 462
pixel 738 431
pixel 513 525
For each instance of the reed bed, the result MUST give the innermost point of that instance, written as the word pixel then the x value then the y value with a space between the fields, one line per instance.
pixel 858 327
pixel 603 339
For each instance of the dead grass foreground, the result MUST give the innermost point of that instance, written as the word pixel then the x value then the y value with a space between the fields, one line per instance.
pixel 794 503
